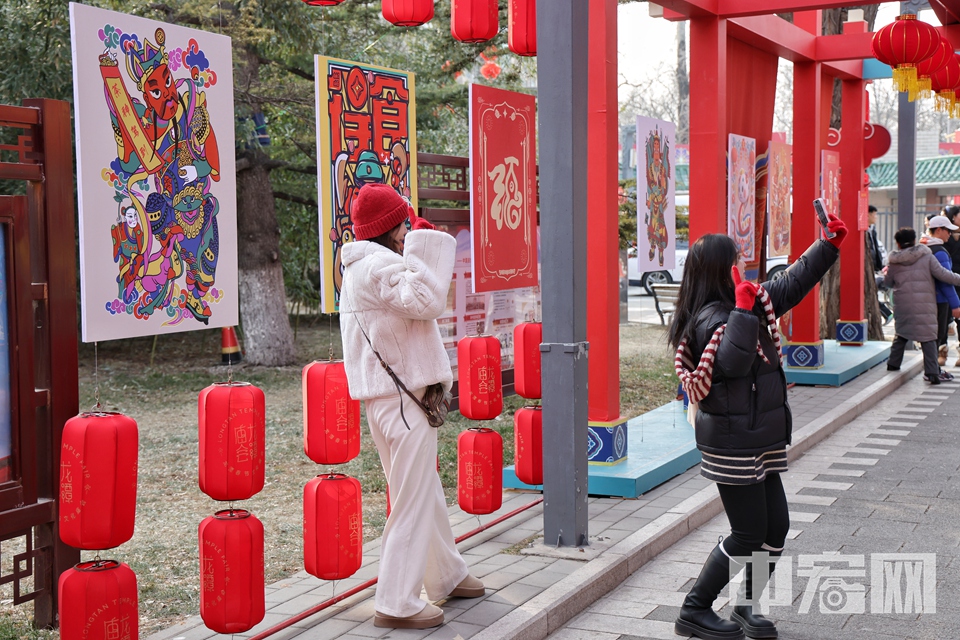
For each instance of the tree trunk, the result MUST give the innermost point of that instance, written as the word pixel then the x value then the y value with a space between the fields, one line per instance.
pixel 830 301
pixel 267 337
pixel 683 86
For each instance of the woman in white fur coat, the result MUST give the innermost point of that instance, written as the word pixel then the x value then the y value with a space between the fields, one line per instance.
pixel 394 288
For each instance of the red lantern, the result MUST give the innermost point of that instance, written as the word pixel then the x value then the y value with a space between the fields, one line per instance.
pixel 480 470
pixel 407 13
pixel 332 527
pixel 98 601
pixel 481 385
pixel 522 25
pixel 527 337
pixel 232 431
pixel 322 3
pixel 331 418
pixel 98 480
pixel 232 596
pixel 904 44
pixel 930 66
pixel 944 83
pixel 528 445
pixel 474 20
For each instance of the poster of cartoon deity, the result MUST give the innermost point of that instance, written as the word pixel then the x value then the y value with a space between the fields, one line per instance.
pixel 778 197
pixel 157 178
pixel 741 194
pixel 830 180
pixel 656 205
pixel 366 133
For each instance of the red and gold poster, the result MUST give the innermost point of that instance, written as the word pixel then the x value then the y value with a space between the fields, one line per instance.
pixel 779 179
pixel 741 194
pixel 830 180
pixel 503 194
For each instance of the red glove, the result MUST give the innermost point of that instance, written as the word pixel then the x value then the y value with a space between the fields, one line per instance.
pixel 836 226
pixel 418 223
pixel 745 291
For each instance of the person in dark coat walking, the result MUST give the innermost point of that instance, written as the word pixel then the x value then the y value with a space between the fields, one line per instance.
pixel 938 232
pixel 729 362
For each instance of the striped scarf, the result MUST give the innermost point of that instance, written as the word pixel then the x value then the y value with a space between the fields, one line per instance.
pixel 696 382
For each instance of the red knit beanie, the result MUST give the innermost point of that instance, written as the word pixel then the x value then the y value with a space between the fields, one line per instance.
pixel 377 209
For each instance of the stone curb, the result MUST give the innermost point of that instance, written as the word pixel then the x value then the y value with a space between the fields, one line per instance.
pixel 550 610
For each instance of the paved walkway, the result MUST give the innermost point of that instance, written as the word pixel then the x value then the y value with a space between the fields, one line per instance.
pixel 534 590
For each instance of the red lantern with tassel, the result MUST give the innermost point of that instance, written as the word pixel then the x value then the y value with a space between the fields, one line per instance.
pixel 407 13
pixel 481 383
pixel 98 480
pixel 528 445
pixel 231 571
pixel 944 83
pixel 522 37
pixel 527 337
pixel 98 601
pixel 930 66
pixel 232 430
pixel 332 527
pixel 904 44
pixel 331 418
pixel 480 470
pixel 474 20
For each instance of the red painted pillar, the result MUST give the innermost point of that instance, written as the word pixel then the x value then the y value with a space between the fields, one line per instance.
pixel 708 126
pixel 852 327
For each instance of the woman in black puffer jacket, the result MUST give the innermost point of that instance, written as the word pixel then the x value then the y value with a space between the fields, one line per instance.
pixel 743 423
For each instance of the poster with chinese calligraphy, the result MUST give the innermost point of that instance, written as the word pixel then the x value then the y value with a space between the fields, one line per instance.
pixel 503 193
pixel 157 178
pixel 366 133
pixel 741 194
pixel 656 189
pixel 779 181
pixel 830 180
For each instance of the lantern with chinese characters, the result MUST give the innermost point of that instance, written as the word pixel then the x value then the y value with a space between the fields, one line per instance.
pixel 479 471
pixel 332 527
pixel 527 337
pixel 232 429
pixel 930 66
pixel 331 418
pixel 474 20
pixel 98 480
pixel 528 445
pixel 407 13
pixel 481 386
pixel 522 25
pixel 98 601
pixel 903 44
pixel 944 83
pixel 231 571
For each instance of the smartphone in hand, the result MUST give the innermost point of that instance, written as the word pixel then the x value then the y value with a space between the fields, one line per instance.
pixel 820 206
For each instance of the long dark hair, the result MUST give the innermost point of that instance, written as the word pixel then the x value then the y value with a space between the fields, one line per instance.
pixel 386 240
pixel 706 279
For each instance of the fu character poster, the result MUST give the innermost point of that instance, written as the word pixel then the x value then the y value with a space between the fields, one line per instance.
pixel 656 194
pixel 741 194
pixel 157 178
pixel 779 182
pixel 366 133
pixel 503 193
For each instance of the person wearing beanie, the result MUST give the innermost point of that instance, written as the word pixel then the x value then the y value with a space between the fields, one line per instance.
pixel 394 288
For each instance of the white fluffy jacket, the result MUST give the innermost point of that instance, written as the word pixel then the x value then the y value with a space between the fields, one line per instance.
pixel 398 299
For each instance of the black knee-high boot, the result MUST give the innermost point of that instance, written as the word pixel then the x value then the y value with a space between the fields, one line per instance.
pixel 697 617
pixel 754 625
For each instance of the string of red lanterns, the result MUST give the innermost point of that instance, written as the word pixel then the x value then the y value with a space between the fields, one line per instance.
pixel 944 83
pixel 528 445
pixel 232 432
pixel 331 418
pixel 930 66
pixel 474 20
pixel 232 596
pixel 407 13
pixel 98 601
pixel 903 44
pixel 479 470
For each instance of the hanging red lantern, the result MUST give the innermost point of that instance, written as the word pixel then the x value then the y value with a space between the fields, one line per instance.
pixel 481 383
pixel 904 44
pixel 522 25
pixel 232 596
pixel 930 66
pixel 474 20
pixel 407 13
pixel 331 418
pixel 98 601
pixel 232 430
pixel 944 83
pixel 528 445
pixel 332 527
pixel 98 480
pixel 479 470
pixel 527 337
pixel 322 3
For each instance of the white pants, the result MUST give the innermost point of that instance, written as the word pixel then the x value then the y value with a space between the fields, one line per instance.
pixel 417 549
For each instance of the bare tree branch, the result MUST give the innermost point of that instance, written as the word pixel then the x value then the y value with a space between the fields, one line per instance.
pixel 289 197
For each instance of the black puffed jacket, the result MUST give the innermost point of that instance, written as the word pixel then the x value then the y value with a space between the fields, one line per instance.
pixel 746 411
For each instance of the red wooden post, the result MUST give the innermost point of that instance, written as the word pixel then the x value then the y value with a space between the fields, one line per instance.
pixel 852 327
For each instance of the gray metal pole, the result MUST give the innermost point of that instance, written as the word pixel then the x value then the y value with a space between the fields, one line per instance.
pixel 906 162
pixel 562 92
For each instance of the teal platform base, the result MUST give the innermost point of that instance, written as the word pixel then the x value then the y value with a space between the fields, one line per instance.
pixel 662 446
pixel 841 364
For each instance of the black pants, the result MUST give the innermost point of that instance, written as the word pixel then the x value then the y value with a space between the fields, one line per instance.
pixel 929 350
pixel 943 322
pixel 758 515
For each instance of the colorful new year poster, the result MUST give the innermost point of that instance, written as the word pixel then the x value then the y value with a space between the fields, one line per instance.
pixel 503 193
pixel 741 194
pixel 366 133
pixel 656 205
pixel 157 178
pixel 830 180
pixel 779 181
